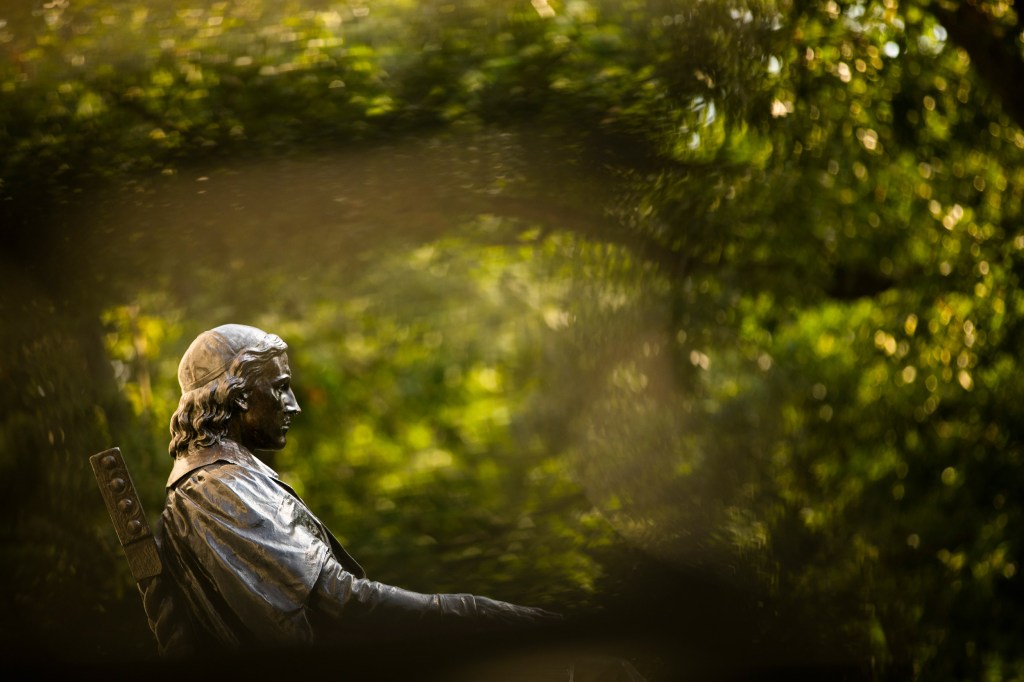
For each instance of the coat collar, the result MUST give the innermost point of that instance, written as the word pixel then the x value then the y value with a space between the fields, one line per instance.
pixel 223 451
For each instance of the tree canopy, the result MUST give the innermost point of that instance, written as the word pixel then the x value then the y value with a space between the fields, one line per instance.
pixel 579 294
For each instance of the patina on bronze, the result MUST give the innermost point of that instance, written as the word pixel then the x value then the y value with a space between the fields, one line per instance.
pixel 250 563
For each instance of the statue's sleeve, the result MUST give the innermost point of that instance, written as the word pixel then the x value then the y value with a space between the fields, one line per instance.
pixel 247 554
pixel 345 600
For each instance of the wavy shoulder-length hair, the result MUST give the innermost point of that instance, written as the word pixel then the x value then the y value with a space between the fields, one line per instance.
pixel 204 413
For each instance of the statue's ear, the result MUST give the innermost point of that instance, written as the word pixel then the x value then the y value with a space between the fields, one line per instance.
pixel 242 402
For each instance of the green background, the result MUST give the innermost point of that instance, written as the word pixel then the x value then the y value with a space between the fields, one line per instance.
pixel 591 305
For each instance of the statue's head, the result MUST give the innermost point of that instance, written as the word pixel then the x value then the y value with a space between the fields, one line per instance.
pixel 236 384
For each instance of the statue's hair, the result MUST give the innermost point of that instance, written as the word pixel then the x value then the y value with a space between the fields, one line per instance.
pixel 204 413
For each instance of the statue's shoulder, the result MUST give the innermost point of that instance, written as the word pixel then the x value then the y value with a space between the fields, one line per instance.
pixel 233 477
pixel 227 490
pixel 223 473
pixel 225 480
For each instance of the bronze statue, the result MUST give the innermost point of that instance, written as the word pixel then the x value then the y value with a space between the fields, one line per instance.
pixel 246 563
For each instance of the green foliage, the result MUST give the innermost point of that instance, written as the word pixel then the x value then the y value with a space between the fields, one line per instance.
pixel 733 282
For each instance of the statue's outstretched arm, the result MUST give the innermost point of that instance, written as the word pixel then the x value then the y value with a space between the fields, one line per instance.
pixel 347 600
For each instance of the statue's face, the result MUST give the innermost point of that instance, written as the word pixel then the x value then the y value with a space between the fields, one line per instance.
pixel 267 407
